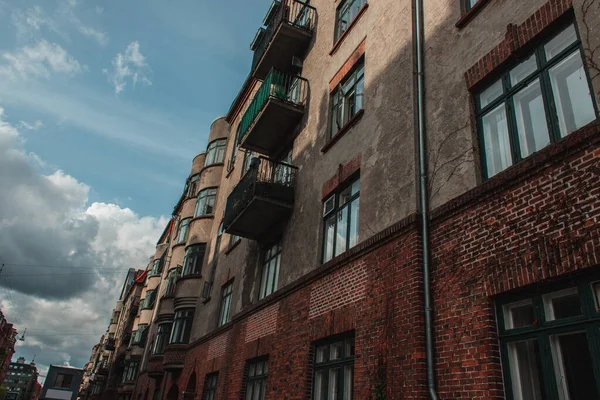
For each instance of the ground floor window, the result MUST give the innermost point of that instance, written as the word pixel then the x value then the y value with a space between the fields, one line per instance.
pixel 334 368
pixel 256 379
pixel 210 386
pixel 550 341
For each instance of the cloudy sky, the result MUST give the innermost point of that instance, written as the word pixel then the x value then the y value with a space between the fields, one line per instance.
pixel 103 104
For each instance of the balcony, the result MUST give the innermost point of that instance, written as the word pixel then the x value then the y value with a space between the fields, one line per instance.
pixel 174 357
pixel 102 368
pixel 109 344
pixel 155 366
pixel 262 199
pixel 275 111
pixel 289 26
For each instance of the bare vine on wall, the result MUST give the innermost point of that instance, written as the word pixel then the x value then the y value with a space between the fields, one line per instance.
pixel 591 52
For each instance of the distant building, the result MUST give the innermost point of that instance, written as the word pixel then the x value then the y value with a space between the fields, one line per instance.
pixel 62 383
pixel 8 337
pixel 21 380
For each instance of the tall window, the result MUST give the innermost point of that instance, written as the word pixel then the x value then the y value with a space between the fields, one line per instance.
pixel 192 185
pixel 162 338
pixel 334 368
pixel 139 336
pixel 206 202
pixel 226 291
pixel 215 152
pixel 156 266
pixel 63 380
pixel 194 256
pixel 171 280
pixel 130 371
pixel 347 98
pixel 537 102
pixel 549 341
pixel 270 270
pixel 345 14
pixel 256 379
pixel 182 326
pixel 248 156
pixel 340 214
pixel 210 386
pixel 149 300
pixel 184 227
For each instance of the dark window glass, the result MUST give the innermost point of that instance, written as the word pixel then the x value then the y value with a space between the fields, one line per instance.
pixel 256 379
pixel 210 386
pixel 225 303
pixel 206 202
pixel 194 256
pixel 171 280
pixel 215 152
pixel 340 216
pixel 162 338
pixel 156 266
pixel 347 98
pixel 515 112
pixel 270 270
pixel 184 228
pixel 182 326
pixel 63 380
pixel 191 186
pixel 345 14
pixel 149 300
pixel 334 368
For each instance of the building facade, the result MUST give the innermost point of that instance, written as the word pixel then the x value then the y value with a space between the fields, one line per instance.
pixel 401 203
pixel 62 383
pixel 21 380
pixel 8 338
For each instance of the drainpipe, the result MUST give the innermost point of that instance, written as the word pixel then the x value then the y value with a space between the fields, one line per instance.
pixel 419 77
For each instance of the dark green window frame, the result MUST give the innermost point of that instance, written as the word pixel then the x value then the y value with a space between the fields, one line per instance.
pixel 468 4
pixel 345 14
pixel 347 99
pixel 182 326
pixel 205 204
pixel 504 102
pixel 225 307
pixel 341 204
pixel 531 326
pixel 334 359
pixel 270 270
pixel 162 338
pixel 215 152
pixel 183 230
pixel 210 386
pixel 191 185
pixel 257 371
pixel 194 257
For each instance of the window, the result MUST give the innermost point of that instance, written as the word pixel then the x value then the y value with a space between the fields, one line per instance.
pixel 256 379
pixel 225 303
pixel 515 113
pixel 334 368
pixel 210 386
pixel 139 336
pixel 156 267
pixel 206 202
pixel 345 14
pixel 347 98
pixel 162 338
pixel 248 156
pixel 171 280
pixel 547 342
pixel 470 4
pixel 340 213
pixel 63 380
pixel 194 256
pixel 270 271
pixel 149 300
pixel 182 326
pixel 130 371
pixel 192 185
pixel 215 152
pixel 184 227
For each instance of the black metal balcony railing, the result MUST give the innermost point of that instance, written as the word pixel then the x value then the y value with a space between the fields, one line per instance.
pixel 267 180
pixel 292 12
pixel 288 88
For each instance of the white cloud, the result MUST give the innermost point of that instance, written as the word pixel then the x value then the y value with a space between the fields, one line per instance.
pixel 99 10
pixel 65 258
pixel 39 60
pixel 30 22
pixel 129 65
pixel 31 127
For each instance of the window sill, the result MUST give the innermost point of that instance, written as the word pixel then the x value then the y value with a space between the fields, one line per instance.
pixel 154 275
pixel 229 172
pixel 338 42
pixel 351 122
pixel 232 246
pixel 189 276
pixel 469 15
pixel 206 300
pixel 180 244
pixel 201 217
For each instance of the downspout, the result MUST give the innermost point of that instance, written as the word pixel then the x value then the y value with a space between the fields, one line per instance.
pixel 419 76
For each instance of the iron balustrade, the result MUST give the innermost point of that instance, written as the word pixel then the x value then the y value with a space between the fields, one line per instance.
pixel 286 87
pixel 295 13
pixel 263 179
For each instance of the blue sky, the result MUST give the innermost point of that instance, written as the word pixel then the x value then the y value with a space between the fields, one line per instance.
pixel 103 105
pixel 133 147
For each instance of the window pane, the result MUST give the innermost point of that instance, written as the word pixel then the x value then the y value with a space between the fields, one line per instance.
pixel 496 142
pixel 335 351
pixel 348 382
pixel 523 70
pixel 320 388
pixel 531 119
pixel 342 230
pixel 249 390
pixel 562 304
pixel 329 236
pixel 334 376
pixel 354 215
pixel 321 354
pixel 573 366
pixel 518 315
pixel 571 94
pixel 525 370
pixel 490 94
pixel 560 42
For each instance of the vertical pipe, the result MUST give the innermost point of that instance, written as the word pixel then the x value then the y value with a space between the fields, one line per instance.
pixel 419 76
